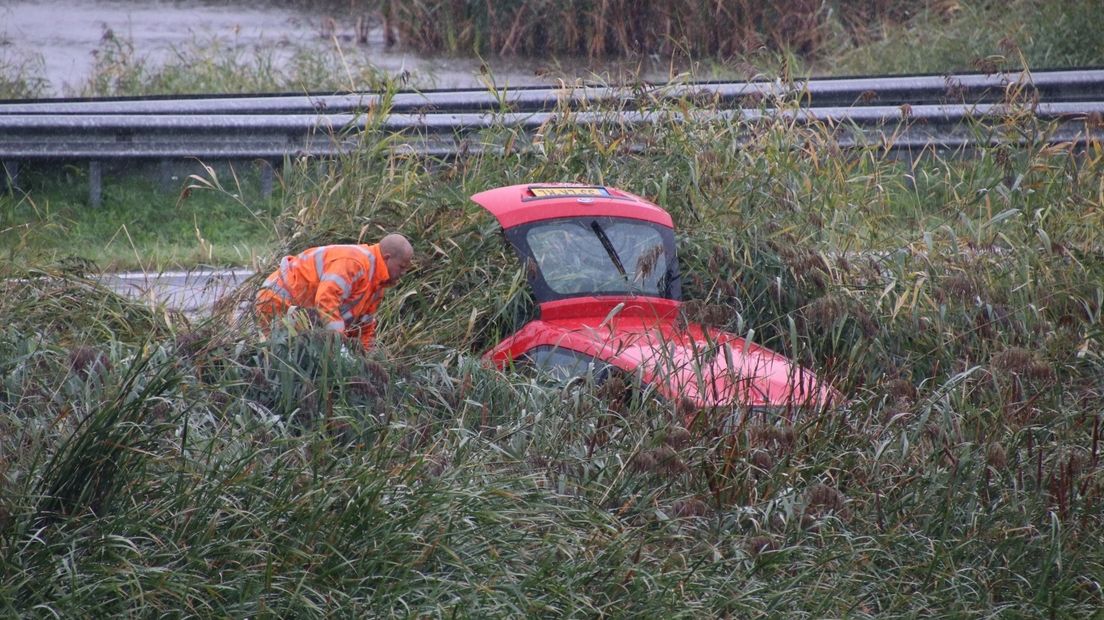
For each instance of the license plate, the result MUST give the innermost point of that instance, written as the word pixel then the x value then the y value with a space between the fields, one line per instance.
pixel 544 192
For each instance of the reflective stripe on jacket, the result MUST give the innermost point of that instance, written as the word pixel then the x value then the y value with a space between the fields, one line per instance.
pixel 344 283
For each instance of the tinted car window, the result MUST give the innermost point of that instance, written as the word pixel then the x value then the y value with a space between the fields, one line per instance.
pixel 561 364
pixel 587 255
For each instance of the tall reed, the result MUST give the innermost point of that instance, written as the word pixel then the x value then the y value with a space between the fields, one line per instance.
pixel 872 36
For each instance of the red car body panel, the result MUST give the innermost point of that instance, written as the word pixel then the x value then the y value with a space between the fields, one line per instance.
pixel 516 204
pixel 643 334
pixel 707 367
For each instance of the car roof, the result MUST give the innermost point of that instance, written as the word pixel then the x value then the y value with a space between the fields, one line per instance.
pixel 516 205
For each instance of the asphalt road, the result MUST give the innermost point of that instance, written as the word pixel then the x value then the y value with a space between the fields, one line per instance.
pixel 193 292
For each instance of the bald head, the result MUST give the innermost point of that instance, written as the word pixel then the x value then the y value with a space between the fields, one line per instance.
pixel 397 253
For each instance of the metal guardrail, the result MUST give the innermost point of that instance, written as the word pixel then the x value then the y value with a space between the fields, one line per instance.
pixel 40 137
pixel 1070 85
pixel 438 123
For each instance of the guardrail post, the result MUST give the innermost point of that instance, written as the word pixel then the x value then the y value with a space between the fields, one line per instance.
pixel 95 184
pixel 166 176
pixel 9 175
pixel 268 176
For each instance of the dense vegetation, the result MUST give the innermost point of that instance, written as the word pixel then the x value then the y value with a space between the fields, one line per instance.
pixel 155 463
pixel 614 41
pixel 834 37
pixel 159 464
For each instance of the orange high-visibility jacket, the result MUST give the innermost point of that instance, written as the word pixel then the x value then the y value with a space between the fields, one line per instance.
pixel 344 283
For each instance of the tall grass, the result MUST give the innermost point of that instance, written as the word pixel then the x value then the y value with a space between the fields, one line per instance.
pixel 981 37
pixel 599 29
pixel 157 464
pixel 20 76
pixel 722 40
pixel 873 36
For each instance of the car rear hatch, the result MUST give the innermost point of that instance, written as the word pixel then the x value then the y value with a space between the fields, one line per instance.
pixel 582 241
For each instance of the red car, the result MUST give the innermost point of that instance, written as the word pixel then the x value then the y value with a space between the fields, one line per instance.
pixel 604 273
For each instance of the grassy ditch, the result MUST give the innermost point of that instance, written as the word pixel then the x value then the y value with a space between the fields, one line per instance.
pixel 156 463
pixel 140 225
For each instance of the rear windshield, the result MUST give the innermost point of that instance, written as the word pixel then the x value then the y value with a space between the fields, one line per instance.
pixel 585 256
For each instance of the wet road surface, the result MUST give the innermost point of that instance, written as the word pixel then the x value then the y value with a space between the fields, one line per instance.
pixel 192 292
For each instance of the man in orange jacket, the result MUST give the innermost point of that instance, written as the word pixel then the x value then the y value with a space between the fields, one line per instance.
pixel 342 283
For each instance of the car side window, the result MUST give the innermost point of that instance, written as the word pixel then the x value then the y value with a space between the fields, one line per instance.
pixel 562 365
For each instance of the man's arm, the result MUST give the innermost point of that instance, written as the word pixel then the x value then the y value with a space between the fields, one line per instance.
pixel 334 288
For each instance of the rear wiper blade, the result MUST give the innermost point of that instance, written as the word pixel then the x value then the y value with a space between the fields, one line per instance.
pixel 608 245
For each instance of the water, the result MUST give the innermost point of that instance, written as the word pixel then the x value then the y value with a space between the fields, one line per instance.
pixel 65 34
